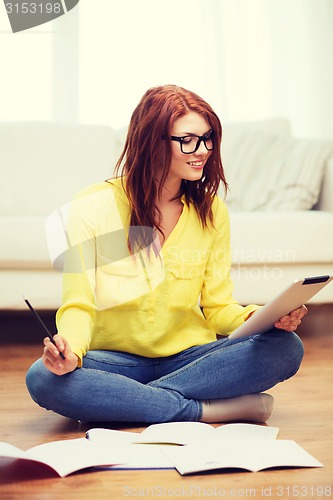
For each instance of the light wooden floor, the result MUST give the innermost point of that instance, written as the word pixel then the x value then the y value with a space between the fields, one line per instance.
pixel 303 412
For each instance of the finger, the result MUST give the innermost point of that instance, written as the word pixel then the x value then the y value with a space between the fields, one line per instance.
pixel 284 319
pixel 57 345
pixel 59 342
pixel 49 360
pixel 51 356
pixel 50 350
pixel 292 315
pixel 288 326
pixel 300 311
pixel 304 311
pixel 296 314
pixel 56 368
pixel 292 320
pixel 59 366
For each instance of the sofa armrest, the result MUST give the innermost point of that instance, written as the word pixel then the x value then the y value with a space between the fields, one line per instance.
pixel 326 196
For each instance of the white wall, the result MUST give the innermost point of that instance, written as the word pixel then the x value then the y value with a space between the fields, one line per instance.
pixel 251 59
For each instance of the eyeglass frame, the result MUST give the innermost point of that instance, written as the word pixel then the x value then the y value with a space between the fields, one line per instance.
pixel 201 138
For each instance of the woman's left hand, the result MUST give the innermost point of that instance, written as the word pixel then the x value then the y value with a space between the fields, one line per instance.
pixel 292 320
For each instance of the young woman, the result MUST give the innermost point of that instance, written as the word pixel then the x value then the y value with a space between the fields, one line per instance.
pixel 148 302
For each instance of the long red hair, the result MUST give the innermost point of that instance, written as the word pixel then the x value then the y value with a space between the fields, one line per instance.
pixel 145 152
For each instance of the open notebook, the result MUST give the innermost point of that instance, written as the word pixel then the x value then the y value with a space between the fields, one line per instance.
pixel 187 446
pixel 195 446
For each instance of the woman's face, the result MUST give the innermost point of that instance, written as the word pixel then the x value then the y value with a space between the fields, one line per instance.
pixel 189 166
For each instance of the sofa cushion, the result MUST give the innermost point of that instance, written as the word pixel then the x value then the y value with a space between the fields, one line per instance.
pixel 271 172
pixel 256 238
pixel 24 243
pixel 42 165
pixel 282 237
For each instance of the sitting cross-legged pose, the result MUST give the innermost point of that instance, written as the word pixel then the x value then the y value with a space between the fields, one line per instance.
pixel 147 293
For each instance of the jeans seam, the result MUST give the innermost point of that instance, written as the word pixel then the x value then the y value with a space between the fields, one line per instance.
pixel 197 361
pixel 115 363
pixel 200 409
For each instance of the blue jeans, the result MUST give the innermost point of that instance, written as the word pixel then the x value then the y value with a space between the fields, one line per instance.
pixel 122 387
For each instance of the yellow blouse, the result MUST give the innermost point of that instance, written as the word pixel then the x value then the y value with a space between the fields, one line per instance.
pixel 151 304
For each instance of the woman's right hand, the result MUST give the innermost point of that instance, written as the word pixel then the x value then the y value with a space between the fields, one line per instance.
pixel 52 359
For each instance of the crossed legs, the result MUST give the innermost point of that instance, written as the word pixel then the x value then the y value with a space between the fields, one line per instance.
pixel 219 381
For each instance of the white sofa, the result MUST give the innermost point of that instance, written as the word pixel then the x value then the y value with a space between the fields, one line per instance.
pixel 43 164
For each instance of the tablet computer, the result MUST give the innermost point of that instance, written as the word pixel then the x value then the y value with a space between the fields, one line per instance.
pixel 294 296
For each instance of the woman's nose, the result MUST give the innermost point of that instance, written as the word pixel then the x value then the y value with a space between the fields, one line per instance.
pixel 201 149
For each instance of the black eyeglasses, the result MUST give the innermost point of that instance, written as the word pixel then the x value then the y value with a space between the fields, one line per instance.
pixel 191 143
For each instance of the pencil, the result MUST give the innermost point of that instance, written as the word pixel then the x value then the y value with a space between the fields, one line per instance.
pixel 47 331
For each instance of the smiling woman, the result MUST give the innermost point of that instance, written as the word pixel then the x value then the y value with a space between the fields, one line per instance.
pixel 149 357
pixel 188 135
